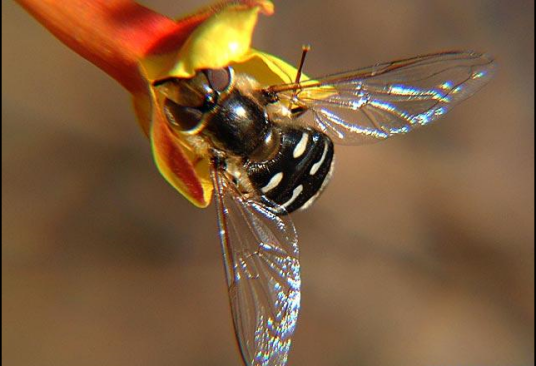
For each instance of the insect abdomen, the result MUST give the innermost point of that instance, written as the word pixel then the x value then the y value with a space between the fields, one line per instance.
pixel 298 172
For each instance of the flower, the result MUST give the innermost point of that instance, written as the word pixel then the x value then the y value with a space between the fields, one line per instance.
pixel 137 46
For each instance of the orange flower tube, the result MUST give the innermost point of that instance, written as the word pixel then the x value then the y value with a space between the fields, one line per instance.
pixel 112 34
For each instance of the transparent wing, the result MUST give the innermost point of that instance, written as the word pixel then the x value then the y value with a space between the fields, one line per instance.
pixel 388 99
pixel 263 274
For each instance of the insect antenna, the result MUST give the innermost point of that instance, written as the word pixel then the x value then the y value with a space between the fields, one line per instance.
pixel 305 48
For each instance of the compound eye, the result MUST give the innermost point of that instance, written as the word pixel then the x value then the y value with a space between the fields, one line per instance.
pixel 183 118
pixel 192 92
pixel 219 79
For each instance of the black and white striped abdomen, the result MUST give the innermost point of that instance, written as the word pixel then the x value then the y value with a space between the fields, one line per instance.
pixel 298 172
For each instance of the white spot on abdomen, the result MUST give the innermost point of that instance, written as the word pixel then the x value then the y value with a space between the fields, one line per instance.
pixel 295 193
pixel 300 148
pixel 318 164
pixel 276 179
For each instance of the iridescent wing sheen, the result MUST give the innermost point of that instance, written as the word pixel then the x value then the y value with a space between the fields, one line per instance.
pixel 389 99
pixel 260 252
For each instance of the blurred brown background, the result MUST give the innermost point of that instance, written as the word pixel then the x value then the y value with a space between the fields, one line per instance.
pixel 419 253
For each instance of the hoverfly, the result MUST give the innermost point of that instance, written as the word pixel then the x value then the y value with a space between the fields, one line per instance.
pixel 272 152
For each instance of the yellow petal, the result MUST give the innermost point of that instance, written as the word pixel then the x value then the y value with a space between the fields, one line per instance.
pixel 266 69
pixel 269 70
pixel 177 162
pixel 220 40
